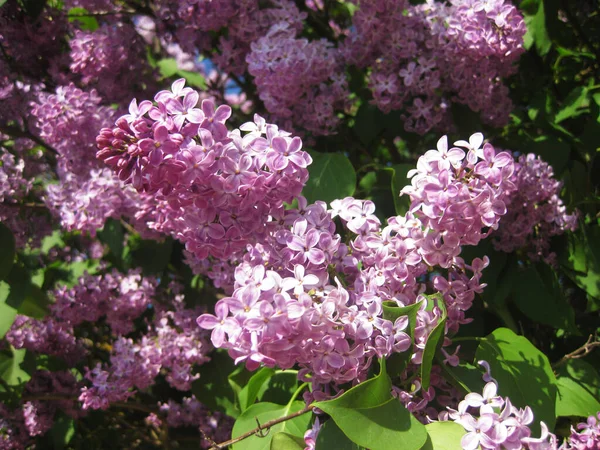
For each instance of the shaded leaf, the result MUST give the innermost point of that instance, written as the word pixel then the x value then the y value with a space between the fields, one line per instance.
pixel 286 441
pixel 331 437
pixel 523 372
pixel 7 252
pixel 265 412
pixel 444 436
pixel 331 177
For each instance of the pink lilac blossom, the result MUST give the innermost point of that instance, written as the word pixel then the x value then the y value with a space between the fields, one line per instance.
pixel 190 412
pixel 302 280
pixel 69 120
pixel 172 345
pixel 424 57
pixel 586 436
pixel 29 224
pixel 535 211
pixel 300 82
pixel 492 422
pixel 112 59
pixel 47 336
pixel 121 298
pixel 218 187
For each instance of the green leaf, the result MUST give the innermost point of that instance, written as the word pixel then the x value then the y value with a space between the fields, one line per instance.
pixel 62 431
pixel 193 78
pixel 582 262
pixel 86 21
pixel 368 394
pixel 383 420
pixel 434 342
pixel 537 293
pixel 286 441
pixel 397 362
pixel 279 388
pixel 10 367
pixel 249 393
pixel 265 412
pixel 381 427
pixel 523 372
pixel 36 304
pixel 465 376
pixel 331 437
pixel 151 256
pixel 574 105
pixel 113 235
pixel 578 389
pixel 211 388
pixel 574 400
pixel 331 177
pixel 399 181
pixel 167 67
pixel 7 254
pixel 444 436
pixel 537 33
pixel 7 313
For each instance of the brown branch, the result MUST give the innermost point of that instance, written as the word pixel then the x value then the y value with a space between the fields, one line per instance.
pixel 579 353
pixel 258 429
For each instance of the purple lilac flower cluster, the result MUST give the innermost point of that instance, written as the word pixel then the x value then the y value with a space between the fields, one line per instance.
pixel 424 57
pixel 112 59
pixel 460 196
pixel 173 344
pixel 535 211
pixel 218 187
pixel 121 298
pixel 299 79
pixel 303 281
pixel 245 20
pixel 85 203
pixel 191 413
pixel 39 414
pixel 492 422
pixel 586 436
pixel 28 224
pixel 69 120
pixel 46 336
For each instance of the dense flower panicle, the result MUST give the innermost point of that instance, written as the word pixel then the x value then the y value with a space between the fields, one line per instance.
pixel 121 298
pixel 423 57
pixel 13 184
pixel 69 120
pixel 460 195
pixel 586 436
pixel 47 336
pixel 493 422
pixel 299 81
pixel 111 59
pixel 190 412
pixel 24 39
pixel 13 433
pixel 39 414
pixel 535 210
pixel 218 186
pixel 28 224
pixel 289 286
